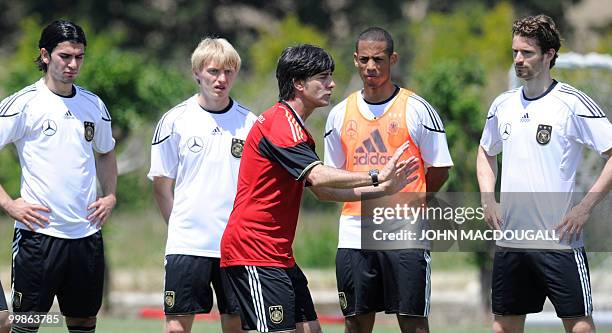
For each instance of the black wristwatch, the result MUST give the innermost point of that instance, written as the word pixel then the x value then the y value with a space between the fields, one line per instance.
pixel 374 174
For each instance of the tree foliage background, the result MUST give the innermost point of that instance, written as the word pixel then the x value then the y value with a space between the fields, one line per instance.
pixel 453 53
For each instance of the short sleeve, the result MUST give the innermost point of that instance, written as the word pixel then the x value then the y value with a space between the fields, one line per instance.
pixel 593 132
pixel 297 159
pixel 427 130
pixel 491 140
pixel 164 150
pixel 103 134
pixel 13 119
pixel 287 142
pixel 334 153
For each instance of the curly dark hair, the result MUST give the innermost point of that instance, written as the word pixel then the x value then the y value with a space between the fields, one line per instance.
pixel 543 29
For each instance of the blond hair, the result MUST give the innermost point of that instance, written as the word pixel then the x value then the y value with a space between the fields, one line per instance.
pixel 215 49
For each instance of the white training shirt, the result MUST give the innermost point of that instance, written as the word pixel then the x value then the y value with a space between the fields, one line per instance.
pixel 542 141
pixel 426 130
pixel 195 148
pixel 56 152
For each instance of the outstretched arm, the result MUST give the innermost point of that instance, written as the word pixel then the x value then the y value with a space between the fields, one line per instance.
pixel 321 175
pixel 399 180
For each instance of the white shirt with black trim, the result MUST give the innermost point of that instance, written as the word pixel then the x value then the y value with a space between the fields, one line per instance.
pixel 201 151
pixel 427 132
pixel 56 138
pixel 542 141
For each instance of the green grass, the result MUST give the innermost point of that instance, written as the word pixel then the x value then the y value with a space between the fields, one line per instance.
pixel 112 325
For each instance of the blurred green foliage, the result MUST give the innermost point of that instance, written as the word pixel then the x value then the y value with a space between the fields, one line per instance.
pixel 135 89
pixel 456 56
pixel 451 73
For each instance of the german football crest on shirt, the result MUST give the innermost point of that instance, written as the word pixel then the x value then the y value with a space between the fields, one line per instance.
pixel 89 130
pixel 276 313
pixel 393 127
pixel 544 133
pixel 237 147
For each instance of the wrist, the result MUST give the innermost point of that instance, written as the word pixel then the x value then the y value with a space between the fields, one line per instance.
pixel 487 199
pixel 5 204
pixel 112 198
pixel 374 176
pixel 585 206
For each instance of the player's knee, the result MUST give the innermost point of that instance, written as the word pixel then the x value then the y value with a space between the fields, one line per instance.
pixel 81 324
pixel 5 326
pixel 174 326
pixel 231 324
pixel 411 324
pixel 583 327
pixel 355 324
pixel 175 329
pixel 499 328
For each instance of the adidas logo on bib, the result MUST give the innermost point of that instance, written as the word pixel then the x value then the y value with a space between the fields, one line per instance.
pixel 372 152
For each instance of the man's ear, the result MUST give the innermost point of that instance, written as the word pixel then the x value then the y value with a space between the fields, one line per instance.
pixel 355 59
pixel 550 54
pixel 45 56
pixel 298 85
pixel 196 78
pixel 393 58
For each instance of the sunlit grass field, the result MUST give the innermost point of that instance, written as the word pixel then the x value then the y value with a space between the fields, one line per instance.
pixel 135 244
pixel 113 325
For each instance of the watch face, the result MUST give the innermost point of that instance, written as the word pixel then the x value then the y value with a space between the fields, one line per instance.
pixel 374 174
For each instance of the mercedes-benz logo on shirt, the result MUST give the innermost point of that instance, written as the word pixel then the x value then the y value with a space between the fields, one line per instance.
pixel 195 144
pixel 506 130
pixel 49 127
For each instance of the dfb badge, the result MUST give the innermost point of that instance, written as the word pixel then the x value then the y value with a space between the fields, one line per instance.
pixel 544 134
pixel 169 298
pixel 276 313
pixel 343 302
pixel 237 147
pixel 89 130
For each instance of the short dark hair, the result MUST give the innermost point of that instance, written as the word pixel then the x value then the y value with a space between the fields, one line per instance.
pixel 376 34
pixel 543 29
pixel 57 32
pixel 300 63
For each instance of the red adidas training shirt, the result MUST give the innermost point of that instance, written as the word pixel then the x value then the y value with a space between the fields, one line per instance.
pixel 278 152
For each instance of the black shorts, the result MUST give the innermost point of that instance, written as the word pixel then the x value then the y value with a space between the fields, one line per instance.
pixel 188 288
pixel 394 281
pixel 271 298
pixel 45 267
pixel 3 305
pixel 522 280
